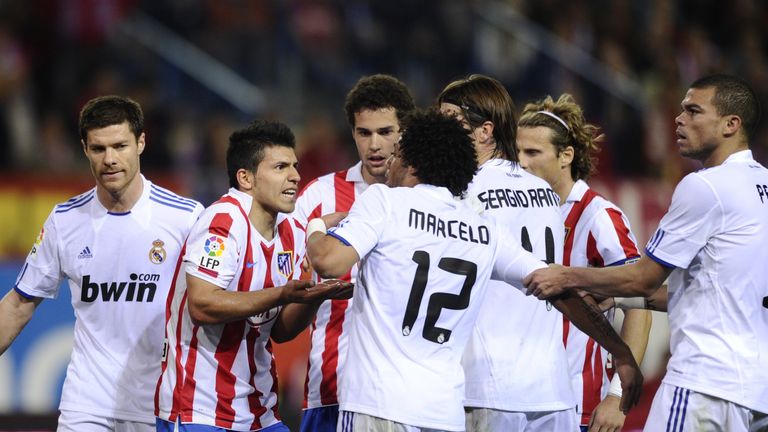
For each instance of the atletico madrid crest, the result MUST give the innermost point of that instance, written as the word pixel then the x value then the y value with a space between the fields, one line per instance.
pixel 285 263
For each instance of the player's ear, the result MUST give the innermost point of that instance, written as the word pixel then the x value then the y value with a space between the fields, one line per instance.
pixel 246 180
pixel 566 156
pixel 141 142
pixel 731 125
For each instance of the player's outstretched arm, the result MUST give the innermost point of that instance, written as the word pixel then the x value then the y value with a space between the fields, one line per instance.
pixel 295 317
pixel 210 304
pixel 640 279
pixel 589 319
pixel 15 312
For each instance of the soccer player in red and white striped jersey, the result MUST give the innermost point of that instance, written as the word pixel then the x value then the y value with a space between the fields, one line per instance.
pixel 557 144
pixel 374 108
pixel 237 287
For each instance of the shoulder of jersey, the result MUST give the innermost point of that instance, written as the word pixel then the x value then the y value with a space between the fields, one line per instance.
pixel 75 202
pixel 325 181
pixel 169 199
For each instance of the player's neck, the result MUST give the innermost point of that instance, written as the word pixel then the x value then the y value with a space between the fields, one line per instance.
pixel 371 179
pixel 263 220
pixel 723 152
pixel 123 200
pixel 563 187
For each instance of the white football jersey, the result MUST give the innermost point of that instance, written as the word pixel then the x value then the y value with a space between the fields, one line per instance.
pixel 597 234
pixel 119 267
pixel 518 363
pixel 426 260
pixel 715 234
pixel 334 192
pixel 224 375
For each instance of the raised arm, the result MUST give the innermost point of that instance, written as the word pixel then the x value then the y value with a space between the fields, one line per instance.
pixel 328 255
pixel 15 312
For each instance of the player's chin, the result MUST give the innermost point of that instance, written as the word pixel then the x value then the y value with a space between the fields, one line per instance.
pixel 287 206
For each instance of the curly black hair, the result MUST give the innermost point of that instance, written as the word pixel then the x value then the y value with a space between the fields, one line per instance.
pixel 377 92
pixel 246 146
pixel 439 149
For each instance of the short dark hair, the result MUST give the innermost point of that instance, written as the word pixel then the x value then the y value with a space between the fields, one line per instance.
pixel 481 99
pixel 111 110
pixel 246 146
pixel 376 92
pixel 733 96
pixel 439 149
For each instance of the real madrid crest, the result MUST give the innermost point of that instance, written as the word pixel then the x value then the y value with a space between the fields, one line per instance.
pixel 157 253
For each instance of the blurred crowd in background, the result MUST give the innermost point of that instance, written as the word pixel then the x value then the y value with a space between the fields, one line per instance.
pixel 628 62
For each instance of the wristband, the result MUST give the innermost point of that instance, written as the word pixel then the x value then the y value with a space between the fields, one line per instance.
pixel 615 388
pixel 629 302
pixel 316 225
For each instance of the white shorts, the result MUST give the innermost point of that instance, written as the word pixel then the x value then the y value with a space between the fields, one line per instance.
pixel 485 419
pixel 75 421
pixel 676 409
pixel 356 422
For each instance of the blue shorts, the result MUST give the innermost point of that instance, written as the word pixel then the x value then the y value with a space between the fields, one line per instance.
pixel 166 426
pixel 320 419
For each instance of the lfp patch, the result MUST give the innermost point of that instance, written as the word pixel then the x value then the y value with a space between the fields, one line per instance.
pixel 214 246
pixel 285 263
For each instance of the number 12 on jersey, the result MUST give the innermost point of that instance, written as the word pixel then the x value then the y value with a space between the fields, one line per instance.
pixel 439 300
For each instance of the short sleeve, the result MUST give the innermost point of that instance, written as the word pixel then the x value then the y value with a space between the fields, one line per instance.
pixel 693 217
pixel 365 222
pixel 513 263
pixel 611 238
pixel 214 246
pixel 41 274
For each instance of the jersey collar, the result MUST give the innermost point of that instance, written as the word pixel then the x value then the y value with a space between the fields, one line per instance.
pixel 743 155
pixel 245 200
pixel 577 191
pixel 355 174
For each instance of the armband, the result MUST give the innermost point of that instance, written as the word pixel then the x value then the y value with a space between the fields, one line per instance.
pixel 629 302
pixel 615 388
pixel 316 225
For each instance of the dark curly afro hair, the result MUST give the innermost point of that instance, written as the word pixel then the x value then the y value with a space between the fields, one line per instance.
pixel 439 149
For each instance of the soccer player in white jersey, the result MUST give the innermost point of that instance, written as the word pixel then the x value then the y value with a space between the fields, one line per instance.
pixel 117 246
pixel 426 258
pixel 512 389
pixel 374 108
pixel 557 144
pixel 712 246
pixel 237 287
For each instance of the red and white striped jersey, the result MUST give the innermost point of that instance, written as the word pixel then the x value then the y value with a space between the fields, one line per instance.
pixel 224 375
pixel 334 192
pixel 597 234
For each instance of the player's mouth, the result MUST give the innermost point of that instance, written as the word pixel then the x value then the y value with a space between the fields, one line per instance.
pixel 110 175
pixel 290 193
pixel 377 160
pixel 680 136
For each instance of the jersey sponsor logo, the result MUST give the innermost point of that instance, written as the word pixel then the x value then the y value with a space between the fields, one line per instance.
pixel 214 246
pixel 285 263
pixel 85 253
pixel 38 242
pixel 157 253
pixel 262 318
pixel 141 288
pixel 448 229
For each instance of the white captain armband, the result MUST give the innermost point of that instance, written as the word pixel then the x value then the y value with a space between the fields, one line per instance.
pixel 629 302
pixel 316 225
pixel 615 388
